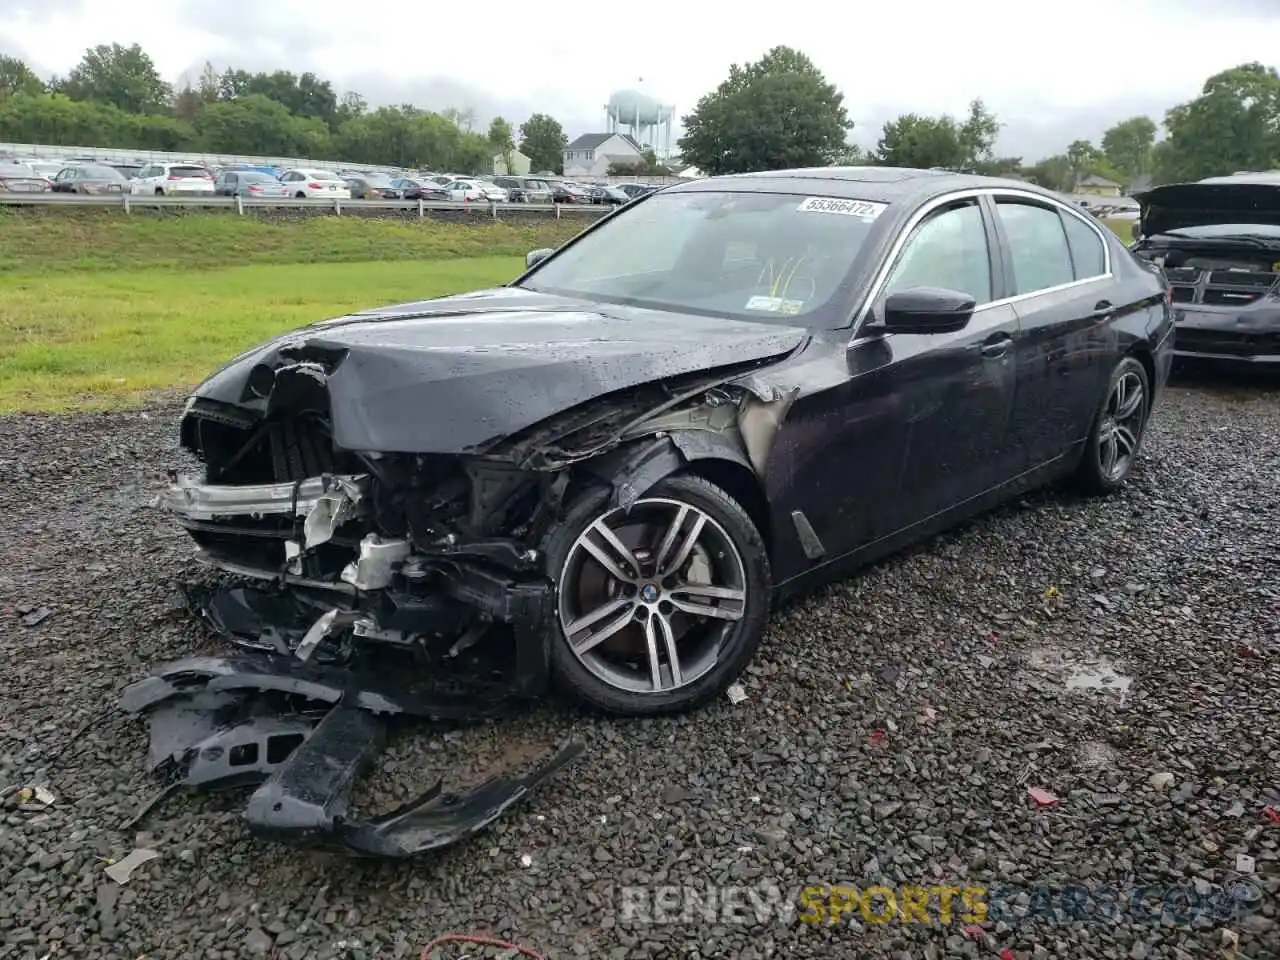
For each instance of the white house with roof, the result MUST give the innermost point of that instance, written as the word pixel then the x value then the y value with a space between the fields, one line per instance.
pixel 592 154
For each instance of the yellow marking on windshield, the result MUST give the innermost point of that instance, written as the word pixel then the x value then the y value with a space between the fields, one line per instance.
pixel 791 276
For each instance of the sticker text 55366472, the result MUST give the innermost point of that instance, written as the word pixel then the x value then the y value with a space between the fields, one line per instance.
pixel 863 209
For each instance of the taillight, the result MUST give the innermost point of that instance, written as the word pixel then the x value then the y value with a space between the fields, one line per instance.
pixel 315 186
pixel 254 188
pixel 174 176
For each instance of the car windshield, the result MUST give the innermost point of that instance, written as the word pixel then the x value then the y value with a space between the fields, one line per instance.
pixel 253 176
pixel 377 180
pixel 101 173
pixel 757 256
pixel 188 172
pixel 15 170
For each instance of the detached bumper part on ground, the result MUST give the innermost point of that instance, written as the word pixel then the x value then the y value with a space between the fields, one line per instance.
pixel 304 734
pixel 343 633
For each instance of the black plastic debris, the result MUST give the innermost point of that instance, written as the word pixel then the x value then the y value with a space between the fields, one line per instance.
pixel 302 732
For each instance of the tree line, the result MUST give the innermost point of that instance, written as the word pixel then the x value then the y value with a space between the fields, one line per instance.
pixel 777 112
pixel 781 112
pixel 115 97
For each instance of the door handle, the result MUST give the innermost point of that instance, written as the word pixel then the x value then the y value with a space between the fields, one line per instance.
pixel 1101 309
pixel 996 348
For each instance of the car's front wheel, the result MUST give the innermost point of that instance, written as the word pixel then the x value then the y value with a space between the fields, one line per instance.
pixel 1112 448
pixel 659 605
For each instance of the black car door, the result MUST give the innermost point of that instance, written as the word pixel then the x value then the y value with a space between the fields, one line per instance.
pixel 921 422
pixel 1063 293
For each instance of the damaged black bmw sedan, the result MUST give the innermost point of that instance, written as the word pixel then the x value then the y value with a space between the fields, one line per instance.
pixel 724 392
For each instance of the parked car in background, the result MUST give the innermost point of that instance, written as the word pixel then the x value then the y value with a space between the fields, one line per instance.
pixel 249 183
pixel 273 172
pixel 525 189
pixel 476 190
pixel 44 168
pixel 412 188
pixel 609 195
pixel 130 170
pixel 90 179
pixel 745 387
pixel 373 186
pixel 312 183
pixel 1218 242
pixel 634 190
pixel 565 191
pixel 173 179
pixel 20 178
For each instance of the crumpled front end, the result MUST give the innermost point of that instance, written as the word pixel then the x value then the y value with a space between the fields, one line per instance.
pixel 367 586
pixel 365 591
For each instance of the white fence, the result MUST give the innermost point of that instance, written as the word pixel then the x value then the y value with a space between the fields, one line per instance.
pixel 126 202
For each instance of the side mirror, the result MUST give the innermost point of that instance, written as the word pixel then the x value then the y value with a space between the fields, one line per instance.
pixel 927 310
pixel 535 257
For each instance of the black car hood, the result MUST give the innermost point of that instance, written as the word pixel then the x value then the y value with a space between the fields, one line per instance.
pixel 1199 204
pixel 455 374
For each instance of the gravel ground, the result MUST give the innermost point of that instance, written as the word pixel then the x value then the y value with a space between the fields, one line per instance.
pixel 893 729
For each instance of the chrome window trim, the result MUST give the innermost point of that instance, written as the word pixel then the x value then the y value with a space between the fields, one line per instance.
pixel 862 314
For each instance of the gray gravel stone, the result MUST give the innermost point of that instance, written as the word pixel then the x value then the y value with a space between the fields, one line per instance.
pixel 784 791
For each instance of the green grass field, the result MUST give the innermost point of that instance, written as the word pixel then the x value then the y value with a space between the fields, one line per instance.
pixel 101 311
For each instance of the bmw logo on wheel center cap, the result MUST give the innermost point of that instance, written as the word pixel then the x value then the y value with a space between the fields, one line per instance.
pixel 649 593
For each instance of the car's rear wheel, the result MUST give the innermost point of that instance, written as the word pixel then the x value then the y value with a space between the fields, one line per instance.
pixel 661 605
pixel 1116 438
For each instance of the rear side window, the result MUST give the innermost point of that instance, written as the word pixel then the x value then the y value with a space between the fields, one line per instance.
pixel 1087 253
pixel 1037 245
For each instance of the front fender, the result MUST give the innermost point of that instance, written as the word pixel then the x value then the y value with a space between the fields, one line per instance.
pixel 635 468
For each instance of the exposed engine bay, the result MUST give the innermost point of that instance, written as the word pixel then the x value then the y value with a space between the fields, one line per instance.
pixel 1217 274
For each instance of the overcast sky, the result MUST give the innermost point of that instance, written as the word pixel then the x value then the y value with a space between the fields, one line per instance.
pixel 1048 81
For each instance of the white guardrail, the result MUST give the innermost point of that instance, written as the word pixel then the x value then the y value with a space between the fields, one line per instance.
pixel 241 204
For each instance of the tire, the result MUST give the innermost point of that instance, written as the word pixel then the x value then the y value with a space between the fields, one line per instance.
pixel 616 675
pixel 159 191
pixel 300 195
pixel 1097 474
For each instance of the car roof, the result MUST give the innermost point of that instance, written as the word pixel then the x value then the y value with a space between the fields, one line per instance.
pixel 1268 179
pixel 881 184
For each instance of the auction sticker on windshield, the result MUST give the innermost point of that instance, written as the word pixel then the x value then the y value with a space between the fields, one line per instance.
pixel 863 209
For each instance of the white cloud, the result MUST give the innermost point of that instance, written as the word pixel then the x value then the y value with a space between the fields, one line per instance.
pixel 1047 80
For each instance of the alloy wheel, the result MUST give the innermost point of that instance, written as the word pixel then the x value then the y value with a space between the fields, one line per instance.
pixel 1120 430
pixel 649 595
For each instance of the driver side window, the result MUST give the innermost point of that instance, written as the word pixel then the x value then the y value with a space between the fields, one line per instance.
pixel 948 250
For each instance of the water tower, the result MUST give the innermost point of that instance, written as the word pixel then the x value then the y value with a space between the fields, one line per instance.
pixel 645 119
